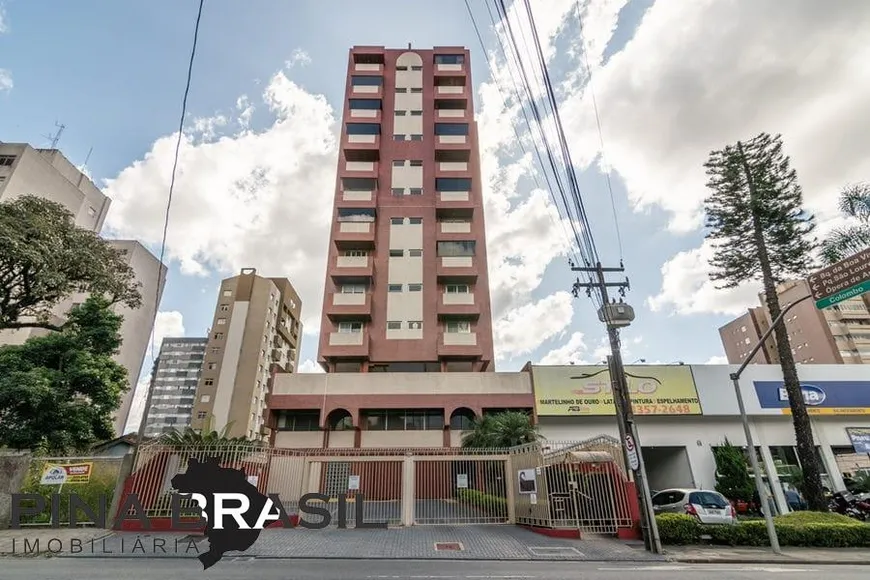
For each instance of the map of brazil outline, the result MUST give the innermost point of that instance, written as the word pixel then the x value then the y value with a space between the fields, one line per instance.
pixel 208 478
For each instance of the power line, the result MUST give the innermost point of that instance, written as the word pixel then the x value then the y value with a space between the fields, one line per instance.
pixel 175 168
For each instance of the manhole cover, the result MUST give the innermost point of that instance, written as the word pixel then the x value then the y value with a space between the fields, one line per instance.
pixel 448 546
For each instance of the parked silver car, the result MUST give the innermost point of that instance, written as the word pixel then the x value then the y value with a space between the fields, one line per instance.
pixel 710 507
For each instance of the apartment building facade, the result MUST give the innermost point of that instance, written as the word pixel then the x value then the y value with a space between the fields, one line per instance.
pixel 176 377
pixel 837 335
pixel 256 330
pixel 406 285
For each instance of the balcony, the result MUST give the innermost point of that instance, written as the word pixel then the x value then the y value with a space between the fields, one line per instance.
pixel 355 235
pixel 350 307
pixel 452 344
pixel 453 166
pixel 368 67
pixel 455 227
pixel 362 147
pixel 454 196
pixel 450 113
pixel 458 305
pixel 451 90
pixel 452 107
pixel 356 198
pixel 351 269
pixel 452 139
pixel 346 344
pixel 456 269
pixel 361 166
pixel 449 68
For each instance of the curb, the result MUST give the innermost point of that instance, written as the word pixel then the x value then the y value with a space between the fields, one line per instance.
pixel 787 561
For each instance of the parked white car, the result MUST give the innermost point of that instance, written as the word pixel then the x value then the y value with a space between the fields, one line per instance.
pixel 710 507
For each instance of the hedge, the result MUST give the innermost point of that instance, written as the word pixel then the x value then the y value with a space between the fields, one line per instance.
pixel 819 530
pixel 490 503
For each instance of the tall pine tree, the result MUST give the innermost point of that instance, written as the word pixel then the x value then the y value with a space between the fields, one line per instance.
pixel 761 232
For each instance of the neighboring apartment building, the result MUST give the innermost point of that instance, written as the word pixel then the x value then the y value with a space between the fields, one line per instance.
pixel 176 377
pixel 406 284
pixel 48 174
pixel 256 330
pixel 837 335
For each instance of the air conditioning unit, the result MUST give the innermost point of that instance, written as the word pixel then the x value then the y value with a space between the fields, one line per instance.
pixel 415 326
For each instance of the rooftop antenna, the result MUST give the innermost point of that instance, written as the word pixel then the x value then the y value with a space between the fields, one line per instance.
pixel 56 137
pixel 409 46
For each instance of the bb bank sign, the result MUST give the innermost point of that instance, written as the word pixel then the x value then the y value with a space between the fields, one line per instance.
pixel 820 397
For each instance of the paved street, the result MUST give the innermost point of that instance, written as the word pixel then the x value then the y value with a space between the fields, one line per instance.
pixel 333 569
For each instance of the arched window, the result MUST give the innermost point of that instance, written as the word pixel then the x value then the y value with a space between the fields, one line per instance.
pixel 339 420
pixel 462 419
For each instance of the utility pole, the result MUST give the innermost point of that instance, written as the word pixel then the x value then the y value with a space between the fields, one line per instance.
pixel 616 315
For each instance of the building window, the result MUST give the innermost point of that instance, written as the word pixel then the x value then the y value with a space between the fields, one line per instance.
pixel 458 327
pixel 401 90
pixel 416 67
pixel 453 184
pixel 205 399
pixel 208 383
pixel 415 253
pixel 350 327
pixel 92 212
pixel 225 307
pixel 415 221
pixel 397 253
pixel 416 113
pixel 398 137
pixel 454 129
pixel 416 191
pixel 417 90
pixel 417 163
pixel 416 137
pixel 356 253
pixel 399 163
pixel 353 289
pixel 451 249
pixel 214 350
pixel 397 221
pixel 365 104
pixel 397 192
pixel 395 288
pixel 401 67
pixel 6 160
pixel 228 292
pixel 366 81
pixel 415 325
pixel 221 321
pixel 402 419
pixel 298 420
pixel 394 325
pixel 211 366
pixel 218 335
pixel 449 59
pixel 415 287
pixel 457 289
pixel 363 129
pixel 201 415
pixel 400 113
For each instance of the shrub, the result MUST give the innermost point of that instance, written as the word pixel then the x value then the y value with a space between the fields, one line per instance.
pixel 489 503
pixel 819 530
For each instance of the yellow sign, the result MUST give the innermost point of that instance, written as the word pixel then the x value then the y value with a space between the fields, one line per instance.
pixel 577 391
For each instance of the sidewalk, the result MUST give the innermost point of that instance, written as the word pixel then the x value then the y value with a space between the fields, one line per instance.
pixel 46 541
pixel 729 555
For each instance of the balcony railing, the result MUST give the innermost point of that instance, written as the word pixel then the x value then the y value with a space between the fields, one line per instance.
pixel 355 195
pixel 360 166
pixel 355 227
pixel 342 299
pixel 452 139
pixel 448 67
pixel 460 339
pixel 455 227
pixel 352 261
pixel 457 261
pixel 362 138
pixel 453 166
pixel 449 196
pixel 450 113
pixel 368 67
pixel 450 89
pixel 457 298
pixel 346 338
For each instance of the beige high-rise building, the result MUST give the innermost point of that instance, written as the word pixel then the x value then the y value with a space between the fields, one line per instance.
pixel 256 330
pixel 48 174
pixel 837 335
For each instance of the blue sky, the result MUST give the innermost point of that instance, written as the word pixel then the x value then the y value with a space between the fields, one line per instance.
pixel 670 81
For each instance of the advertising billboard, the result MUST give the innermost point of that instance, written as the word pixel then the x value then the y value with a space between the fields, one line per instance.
pixel 821 397
pixel 585 391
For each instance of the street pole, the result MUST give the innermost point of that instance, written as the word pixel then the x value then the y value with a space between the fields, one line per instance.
pixel 615 316
pixel 763 496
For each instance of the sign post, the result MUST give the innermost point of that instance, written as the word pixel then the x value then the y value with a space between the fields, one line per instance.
pixel 633 461
pixel 846 279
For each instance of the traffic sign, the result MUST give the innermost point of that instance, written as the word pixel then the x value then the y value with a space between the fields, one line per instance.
pixel 845 279
pixel 633 461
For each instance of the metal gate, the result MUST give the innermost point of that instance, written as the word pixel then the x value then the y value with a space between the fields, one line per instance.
pixel 572 485
pixel 464 489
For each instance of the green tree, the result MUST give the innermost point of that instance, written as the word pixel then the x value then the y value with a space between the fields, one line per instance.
pixel 851 239
pixel 58 392
pixel 501 431
pixel 45 258
pixel 191 438
pixel 760 231
pixel 732 473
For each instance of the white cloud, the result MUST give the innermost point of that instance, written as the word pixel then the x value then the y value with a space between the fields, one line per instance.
pixel 299 57
pixel 6 83
pixel 310 366
pixel 572 351
pixel 167 324
pixel 687 288
pixel 4 24
pixel 523 329
pixel 717 360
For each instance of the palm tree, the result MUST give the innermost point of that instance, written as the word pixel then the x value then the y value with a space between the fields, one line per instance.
pixel 501 431
pixel 851 239
pixel 190 438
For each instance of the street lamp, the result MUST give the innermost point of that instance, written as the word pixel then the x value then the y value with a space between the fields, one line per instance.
pixel 753 460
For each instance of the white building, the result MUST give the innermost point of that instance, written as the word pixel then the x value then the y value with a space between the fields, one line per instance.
pixel 677 449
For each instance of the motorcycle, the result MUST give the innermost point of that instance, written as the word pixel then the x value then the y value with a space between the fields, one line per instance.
pixel 843 502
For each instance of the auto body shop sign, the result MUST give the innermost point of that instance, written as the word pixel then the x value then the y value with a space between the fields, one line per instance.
pixel 54 474
pixel 570 391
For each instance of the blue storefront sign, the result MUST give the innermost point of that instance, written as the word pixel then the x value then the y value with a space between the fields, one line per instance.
pixel 860 437
pixel 821 397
